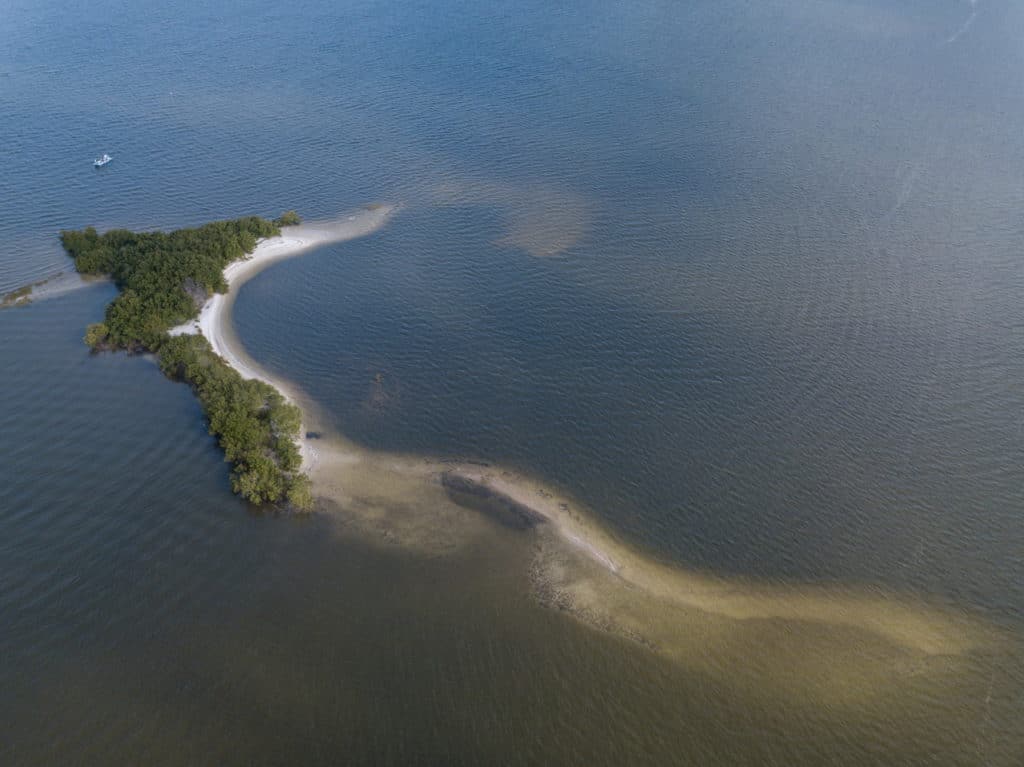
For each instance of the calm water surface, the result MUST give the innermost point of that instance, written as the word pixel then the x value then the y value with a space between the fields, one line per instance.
pixel 744 278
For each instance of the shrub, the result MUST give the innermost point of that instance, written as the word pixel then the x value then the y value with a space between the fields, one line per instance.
pixel 288 218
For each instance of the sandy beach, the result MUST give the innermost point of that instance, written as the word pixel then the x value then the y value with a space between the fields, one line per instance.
pixel 214 321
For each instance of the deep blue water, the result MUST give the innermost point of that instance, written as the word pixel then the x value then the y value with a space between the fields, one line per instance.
pixel 744 277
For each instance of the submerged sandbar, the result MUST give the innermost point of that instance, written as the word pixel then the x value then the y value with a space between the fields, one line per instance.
pixel 837 644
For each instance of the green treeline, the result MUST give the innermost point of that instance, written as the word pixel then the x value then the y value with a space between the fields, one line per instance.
pixel 256 427
pixel 164 278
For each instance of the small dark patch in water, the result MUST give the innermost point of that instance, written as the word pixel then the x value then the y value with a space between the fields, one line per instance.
pixel 473 495
pixel 383 395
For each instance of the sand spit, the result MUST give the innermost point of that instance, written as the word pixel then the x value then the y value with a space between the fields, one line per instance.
pixel 821 645
pixel 919 628
pixel 825 645
pixel 587 569
pixel 828 644
pixel 214 320
pixel 58 285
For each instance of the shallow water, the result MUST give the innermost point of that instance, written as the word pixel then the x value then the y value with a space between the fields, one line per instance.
pixel 744 280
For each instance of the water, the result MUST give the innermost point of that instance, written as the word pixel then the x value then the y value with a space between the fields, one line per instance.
pixel 745 279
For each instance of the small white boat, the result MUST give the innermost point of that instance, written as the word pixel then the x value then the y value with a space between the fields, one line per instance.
pixel 99 162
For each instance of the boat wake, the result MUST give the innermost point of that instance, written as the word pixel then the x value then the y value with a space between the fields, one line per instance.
pixel 966 25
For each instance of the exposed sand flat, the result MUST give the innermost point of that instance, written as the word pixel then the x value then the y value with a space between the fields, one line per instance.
pixel 832 644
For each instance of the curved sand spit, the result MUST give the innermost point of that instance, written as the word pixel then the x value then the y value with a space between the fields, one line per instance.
pixel 214 320
pixel 664 606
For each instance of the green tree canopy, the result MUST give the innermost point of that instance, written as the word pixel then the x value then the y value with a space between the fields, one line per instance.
pixel 158 274
pixel 154 271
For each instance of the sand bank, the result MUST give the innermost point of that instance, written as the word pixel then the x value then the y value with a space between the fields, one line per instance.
pixel 915 627
pixel 832 643
pixel 59 284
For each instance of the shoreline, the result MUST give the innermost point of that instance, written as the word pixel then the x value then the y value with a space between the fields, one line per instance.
pixel 214 321
pixel 411 497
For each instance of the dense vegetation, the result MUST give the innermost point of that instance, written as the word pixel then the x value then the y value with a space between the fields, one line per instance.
pixel 164 278
pixel 256 427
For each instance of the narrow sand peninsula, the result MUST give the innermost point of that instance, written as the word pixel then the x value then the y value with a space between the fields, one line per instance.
pixel 825 643
pixel 214 320
pixel 58 285
pixel 918 628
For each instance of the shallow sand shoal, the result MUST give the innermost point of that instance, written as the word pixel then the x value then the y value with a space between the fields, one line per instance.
pixel 405 497
pixel 55 286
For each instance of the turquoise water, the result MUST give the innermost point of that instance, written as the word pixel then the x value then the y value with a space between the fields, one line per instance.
pixel 744 278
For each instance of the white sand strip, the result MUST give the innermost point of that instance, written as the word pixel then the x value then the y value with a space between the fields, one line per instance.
pixel 214 320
